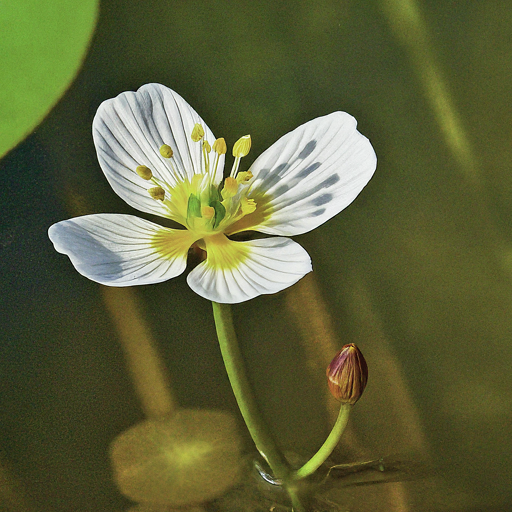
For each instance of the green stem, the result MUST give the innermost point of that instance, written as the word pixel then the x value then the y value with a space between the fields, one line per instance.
pixel 235 368
pixel 326 449
pixel 261 435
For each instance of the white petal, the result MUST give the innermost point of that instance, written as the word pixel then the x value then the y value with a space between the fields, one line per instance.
pixel 129 130
pixel 238 271
pixel 122 250
pixel 310 175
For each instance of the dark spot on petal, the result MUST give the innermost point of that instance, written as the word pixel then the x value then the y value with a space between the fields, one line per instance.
pixel 330 181
pixel 323 199
pixel 280 169
pixel 281 190
pixel 263 173
pixel 308 149
pixel 308 170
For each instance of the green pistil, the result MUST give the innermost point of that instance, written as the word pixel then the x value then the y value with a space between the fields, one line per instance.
pixel 193 207
pixel 220 212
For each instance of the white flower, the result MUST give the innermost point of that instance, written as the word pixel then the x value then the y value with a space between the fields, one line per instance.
pixel 161 158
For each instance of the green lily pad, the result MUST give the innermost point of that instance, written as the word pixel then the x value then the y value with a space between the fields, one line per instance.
pixel 42 45
pixel 190 458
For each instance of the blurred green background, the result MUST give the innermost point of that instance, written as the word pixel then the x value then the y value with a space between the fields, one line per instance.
pixel 417 271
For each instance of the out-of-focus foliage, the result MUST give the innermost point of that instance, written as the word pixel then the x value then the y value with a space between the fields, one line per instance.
pixel 42 45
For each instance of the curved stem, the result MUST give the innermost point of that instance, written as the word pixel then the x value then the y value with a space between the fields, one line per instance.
pixel 235 368
pixel 260 433
pixel 326 449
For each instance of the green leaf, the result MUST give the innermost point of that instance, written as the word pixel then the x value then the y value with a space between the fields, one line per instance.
pixel 42 45
pixel 191 457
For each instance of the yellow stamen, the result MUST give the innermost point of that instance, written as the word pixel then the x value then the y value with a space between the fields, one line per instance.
pixel 207 212
pixel 157 193
pixel 219 146
pixel 206 150
pixel 242 146
pixel 144 172
pixel 230 188
pixel 166 151
pixel 197 133
pixel 247 205
pixel 244 177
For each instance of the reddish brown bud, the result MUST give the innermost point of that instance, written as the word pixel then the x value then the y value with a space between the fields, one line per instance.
pixel 347 375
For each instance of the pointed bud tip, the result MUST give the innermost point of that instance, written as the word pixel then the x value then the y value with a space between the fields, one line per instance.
pixel 347 375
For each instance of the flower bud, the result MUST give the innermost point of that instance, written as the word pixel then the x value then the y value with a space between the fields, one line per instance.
pixel 347 375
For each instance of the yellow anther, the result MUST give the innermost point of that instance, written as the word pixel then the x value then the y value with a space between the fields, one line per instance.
pixel 144 172
pixel 208 212
pixel 206 146
pixel 242 146
pixel 244 177
pixel 157 193
pixel 230 188
pixel 166 151
pixel 247 205
pixel 197 133
pixel 219 146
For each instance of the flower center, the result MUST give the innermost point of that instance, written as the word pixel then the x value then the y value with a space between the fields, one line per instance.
pixel 200 204
pixel 210 208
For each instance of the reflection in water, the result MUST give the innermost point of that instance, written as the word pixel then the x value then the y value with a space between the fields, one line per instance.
pixel 383 470
pixel 150 379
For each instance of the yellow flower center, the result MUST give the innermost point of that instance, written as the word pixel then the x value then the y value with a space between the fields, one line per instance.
pixel 201 205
